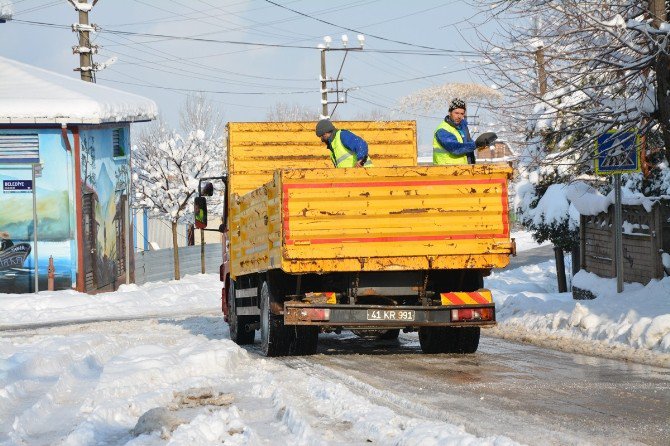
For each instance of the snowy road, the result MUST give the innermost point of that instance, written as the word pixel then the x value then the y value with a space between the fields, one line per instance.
pixel 530 394
pixel 84 384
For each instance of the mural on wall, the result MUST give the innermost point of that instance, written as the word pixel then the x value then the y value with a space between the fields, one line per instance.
pixel 105 180
pixel 55 221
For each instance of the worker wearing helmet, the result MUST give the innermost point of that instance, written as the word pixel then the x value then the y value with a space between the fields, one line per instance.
pixel 346 149
pixel 452 143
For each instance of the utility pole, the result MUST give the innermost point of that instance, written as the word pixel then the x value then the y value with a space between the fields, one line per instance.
pixel 539 60
pixel 324 79
pixel 84 49
pixel 324 86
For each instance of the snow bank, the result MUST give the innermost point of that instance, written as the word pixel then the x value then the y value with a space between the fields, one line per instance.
pixel 634 324
pixel 190 295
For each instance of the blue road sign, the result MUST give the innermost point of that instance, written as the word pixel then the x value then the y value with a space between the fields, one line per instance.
pixel 17 185
pixel 617 152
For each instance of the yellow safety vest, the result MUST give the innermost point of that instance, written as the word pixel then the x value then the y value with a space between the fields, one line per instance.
pixel 442 156
pixel 343 157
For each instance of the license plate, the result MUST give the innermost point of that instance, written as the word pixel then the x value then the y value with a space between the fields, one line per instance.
pixel 391 315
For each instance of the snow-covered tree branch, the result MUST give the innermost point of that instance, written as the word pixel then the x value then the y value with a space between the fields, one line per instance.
pixel 582 68
pixel 167 164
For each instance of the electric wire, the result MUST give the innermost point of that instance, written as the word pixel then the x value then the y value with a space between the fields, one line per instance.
pixel 237 42
pixel 367 34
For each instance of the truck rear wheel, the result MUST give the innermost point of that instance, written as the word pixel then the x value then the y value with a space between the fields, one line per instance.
pixel 466 339
pixel 275 336
pixel 237 324
pixel 433 339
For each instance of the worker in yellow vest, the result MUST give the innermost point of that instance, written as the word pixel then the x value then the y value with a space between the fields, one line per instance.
pixel 346 149
pixel 452 143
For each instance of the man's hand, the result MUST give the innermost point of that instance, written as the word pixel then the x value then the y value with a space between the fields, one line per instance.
pixel 361 162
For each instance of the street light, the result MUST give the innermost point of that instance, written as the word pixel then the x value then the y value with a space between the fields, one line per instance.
pixel 323 47
pixel 361 39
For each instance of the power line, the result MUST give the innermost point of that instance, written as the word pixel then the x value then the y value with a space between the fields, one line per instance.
pixel 412 79
pixel 37 8
pixel 178 92
pixel 193 74
pixel 440 52
pixel 212 91
pixel 367 34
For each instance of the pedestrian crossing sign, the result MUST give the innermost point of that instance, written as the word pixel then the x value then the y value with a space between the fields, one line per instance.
pixel 617 152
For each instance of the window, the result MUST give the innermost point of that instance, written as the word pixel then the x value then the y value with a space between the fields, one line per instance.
pixel 118 143
pixel 20 148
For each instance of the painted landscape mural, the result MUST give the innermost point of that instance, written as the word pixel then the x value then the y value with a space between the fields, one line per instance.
pixel 105 180
pixel 55 220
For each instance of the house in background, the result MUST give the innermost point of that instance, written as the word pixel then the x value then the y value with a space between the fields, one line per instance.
pixel 65 180
pixel 500 152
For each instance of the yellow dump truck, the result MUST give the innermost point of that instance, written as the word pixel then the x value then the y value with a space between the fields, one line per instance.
pixel 398 246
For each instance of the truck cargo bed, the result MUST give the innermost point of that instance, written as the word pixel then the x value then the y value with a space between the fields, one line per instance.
pixel 374 219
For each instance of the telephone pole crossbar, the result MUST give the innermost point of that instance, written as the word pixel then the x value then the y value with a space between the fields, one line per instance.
pixel 84 49
pixel 324 78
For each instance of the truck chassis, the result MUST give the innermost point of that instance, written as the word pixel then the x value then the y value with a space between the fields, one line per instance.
pixel 291 310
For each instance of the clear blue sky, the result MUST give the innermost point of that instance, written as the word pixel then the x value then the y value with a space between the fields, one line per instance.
pixel 251 79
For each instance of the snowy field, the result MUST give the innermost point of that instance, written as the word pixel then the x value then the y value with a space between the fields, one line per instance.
pixel 168 373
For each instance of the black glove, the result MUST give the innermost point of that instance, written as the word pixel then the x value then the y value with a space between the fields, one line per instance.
pixel 485 139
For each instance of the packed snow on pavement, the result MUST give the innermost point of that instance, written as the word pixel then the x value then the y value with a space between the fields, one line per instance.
pixel 169 374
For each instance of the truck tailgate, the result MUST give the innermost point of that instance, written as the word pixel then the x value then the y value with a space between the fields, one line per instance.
pixel 394 218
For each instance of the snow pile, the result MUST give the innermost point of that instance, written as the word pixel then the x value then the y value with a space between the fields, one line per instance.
pixel 182 381
pixel 634 324
pixel 186 296
pixel 29 94
pixel 94 386
pixel 553 207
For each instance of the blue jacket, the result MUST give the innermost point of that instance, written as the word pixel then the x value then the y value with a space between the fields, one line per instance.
pixel 352 142
pixel 449 142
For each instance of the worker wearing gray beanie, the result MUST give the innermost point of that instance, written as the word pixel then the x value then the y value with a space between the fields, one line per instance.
pixel 346 149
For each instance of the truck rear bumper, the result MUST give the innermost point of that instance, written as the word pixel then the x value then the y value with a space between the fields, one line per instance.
pixel 339 315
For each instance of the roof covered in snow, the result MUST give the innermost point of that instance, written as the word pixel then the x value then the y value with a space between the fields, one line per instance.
pixel 31 95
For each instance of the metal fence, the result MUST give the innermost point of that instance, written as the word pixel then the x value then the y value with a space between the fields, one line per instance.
pixel 154 233
pixel 151 266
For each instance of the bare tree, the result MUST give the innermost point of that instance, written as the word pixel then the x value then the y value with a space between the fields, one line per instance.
pixel 435 98
pixel 167 164
pixel 573 70
pixel 377 115
pixel 282 112
pixel 582 68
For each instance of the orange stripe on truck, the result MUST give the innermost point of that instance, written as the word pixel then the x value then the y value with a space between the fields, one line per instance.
pixel 466 298
pixel 286 225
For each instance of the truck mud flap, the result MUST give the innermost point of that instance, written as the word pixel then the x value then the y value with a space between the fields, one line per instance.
pixel 298 313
